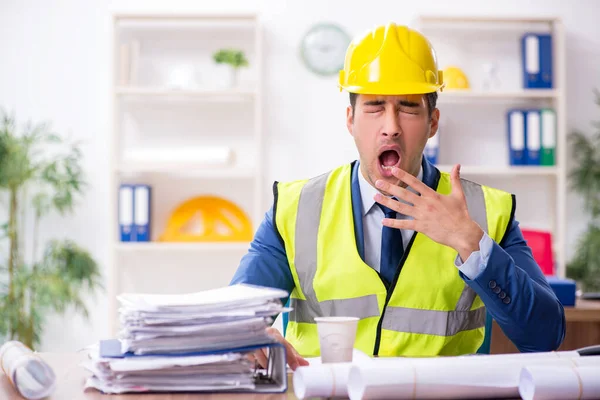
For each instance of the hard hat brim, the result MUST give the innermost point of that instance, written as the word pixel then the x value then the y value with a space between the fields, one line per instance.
pixel 393 90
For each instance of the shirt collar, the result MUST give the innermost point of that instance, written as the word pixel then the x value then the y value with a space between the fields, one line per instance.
pixel 367 192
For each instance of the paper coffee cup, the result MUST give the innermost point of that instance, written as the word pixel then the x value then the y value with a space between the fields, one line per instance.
pixel 336 338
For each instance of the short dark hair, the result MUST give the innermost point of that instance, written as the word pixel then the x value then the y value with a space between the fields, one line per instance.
pixel 430 97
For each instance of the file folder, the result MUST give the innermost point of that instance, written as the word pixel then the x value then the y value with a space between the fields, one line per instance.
pixel 516 137
pixel 126 230
pixel 272 379
pixel 537 58
pixel 548 140
pixel 142 201
pixel 533 136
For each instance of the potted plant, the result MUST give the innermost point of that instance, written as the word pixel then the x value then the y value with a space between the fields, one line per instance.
pixel 234 59
pixel 40 173
pixel 585 180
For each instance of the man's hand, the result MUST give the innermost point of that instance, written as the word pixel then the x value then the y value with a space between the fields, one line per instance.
pixel 294 359
pixel 444 219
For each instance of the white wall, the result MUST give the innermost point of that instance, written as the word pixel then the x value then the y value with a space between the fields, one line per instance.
pixel 54 65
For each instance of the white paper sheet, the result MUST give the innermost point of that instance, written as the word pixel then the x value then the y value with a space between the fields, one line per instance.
pixel 450 377
pixel 325 380
pixel 560 383
pixel 217 298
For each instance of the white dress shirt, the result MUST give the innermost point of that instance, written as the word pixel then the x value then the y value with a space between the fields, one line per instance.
pixel 372 215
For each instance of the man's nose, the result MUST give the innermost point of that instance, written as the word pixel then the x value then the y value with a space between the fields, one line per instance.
pixel 392 126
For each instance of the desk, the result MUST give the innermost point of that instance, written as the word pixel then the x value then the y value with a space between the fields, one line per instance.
pixel 71 377
pixel 583 329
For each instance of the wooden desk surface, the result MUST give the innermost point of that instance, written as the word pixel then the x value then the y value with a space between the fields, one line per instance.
pixel 583 329
pixel 71 377
pixel 584 311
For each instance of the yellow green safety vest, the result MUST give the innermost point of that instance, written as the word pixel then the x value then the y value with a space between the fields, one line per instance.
pixel 427 311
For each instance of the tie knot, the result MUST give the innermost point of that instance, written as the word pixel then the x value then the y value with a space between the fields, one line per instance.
pixel 389 213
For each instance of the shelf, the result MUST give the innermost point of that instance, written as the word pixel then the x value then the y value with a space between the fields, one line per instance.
pixel 466 95
pixel 433 19
pixel 486 24
pixel 180 22
pixel 157 93
pixel 502 171
pixel 195 170
pixel 172 246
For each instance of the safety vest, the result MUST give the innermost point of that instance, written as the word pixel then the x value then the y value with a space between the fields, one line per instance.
pixel 427 311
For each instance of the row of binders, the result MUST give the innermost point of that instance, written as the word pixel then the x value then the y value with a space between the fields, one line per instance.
pixel 198 342
pixel 532 136
pixel 134 212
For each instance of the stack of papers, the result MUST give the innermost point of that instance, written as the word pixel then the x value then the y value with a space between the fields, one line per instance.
pixel 170 374
pixel 190 342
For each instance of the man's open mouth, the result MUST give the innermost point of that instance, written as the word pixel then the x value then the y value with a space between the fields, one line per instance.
pixel 388 159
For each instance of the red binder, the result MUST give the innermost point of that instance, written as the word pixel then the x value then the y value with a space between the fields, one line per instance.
pixel 540 243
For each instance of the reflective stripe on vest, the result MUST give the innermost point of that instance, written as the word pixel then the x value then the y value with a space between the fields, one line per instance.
pixel 400 319
pixel 433 322
pixel 307 228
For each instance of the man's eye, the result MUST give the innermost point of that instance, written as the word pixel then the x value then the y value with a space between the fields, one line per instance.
pixel 410 111
pixel 374 110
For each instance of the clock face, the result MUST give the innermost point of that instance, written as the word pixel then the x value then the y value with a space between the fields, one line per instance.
pixel 323 49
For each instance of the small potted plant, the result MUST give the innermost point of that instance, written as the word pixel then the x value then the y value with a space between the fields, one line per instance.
pixel 234 59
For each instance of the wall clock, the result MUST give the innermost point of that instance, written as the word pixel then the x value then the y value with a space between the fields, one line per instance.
pixel 323 48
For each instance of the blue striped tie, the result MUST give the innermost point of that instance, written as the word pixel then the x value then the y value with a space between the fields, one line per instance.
pixel 392 248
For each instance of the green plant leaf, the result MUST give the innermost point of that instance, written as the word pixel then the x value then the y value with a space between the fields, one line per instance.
pixel 235 58
pixel 73 263
pixel 585 267
pixel 41 203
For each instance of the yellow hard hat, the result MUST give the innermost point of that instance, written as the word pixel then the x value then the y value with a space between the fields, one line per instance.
pixel 207 219
pixel 455 78
pixel 391 59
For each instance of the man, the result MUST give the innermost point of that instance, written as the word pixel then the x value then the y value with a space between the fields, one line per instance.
pixel 418 255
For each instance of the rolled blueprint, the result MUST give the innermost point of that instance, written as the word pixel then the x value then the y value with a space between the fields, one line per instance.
pixel 31 376
pixel 461 377
pixel 560 383
pixel 326 380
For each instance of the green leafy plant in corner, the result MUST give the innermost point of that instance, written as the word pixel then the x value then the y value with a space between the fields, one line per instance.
pixel 232 57
pixel 40 174
pixel 585 180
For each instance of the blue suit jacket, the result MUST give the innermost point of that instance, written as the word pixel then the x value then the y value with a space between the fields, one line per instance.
pixel 533 318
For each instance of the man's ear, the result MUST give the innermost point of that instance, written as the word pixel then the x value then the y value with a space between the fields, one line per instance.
pixel 349 118
pixel 434 123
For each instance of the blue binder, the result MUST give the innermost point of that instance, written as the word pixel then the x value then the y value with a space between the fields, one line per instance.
pixel 272 380
pixel 533 136
pixel 537 59
pixel 142 201
pixel 126 229
pixel 517 137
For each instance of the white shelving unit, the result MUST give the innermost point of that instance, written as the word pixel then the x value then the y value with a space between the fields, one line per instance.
pixel 473 122
pixel 168 92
